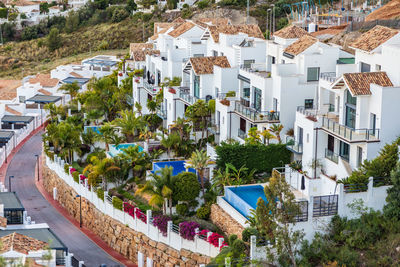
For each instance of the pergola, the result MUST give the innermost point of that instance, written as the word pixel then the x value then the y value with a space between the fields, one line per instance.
pixel 15 121
pixel 79 81
pixel 5 136
pixel 44 99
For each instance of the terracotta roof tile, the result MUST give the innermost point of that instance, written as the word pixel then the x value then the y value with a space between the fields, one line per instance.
pixel 141 55
pixel 158 26
pixel 359 83
pixel 12 111
pixel 300 45
pixel 291 32
pixel 45 92
pixel 155 36
pixel 330 31
pixel 252 30
pixel 8 89
pixel 179 20
pixel 205 65
pixel 205 22
pixel 3 222
pixel 45 80
pixel 181 29
pixel 76 75
pixel 373 38
pixel 139 46
pixel 21 243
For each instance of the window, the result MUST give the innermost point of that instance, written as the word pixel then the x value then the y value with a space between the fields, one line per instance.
pixel 331 143
pixel 273 60
pixel 275 104
pixel 308 103
pixel 300 135
pixel 350 118
pixel 344 152
pixel 313 74
pixel 215 53
pixel 365 67
pixel 359 156
pixel 283 61
pixel 198 55
pixel 257 99
pixel 372 123
pixel 22 99
pixel 378 67
pixel 222 54
pixel 247 63
pixel 196 86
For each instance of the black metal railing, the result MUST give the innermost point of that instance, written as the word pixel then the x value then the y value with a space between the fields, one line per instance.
pixel 61 261
pixel 332 156
pixel 355 188
pixel 74 262
pixel 381 181
pixel 325 205
pixel 255 115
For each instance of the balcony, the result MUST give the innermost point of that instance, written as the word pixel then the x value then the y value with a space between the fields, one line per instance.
pixel 151 89
pixel 332 156
pixel 294 146
pixel 185 96
pixel 213 127
pixel 259 69
pixel 328 76
pixel 349 134
pixel 162 113
pixel 242 134
pixel 256 116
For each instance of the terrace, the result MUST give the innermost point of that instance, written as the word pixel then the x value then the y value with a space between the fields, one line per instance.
pixel 259 69
pixel 255 115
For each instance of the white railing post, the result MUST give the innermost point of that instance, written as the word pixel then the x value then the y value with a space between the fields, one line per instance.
pixel 220 241
pixel 169 229
pixel 253 244
pixel 209 244
pixel 196 238
pixel 135 218
pixel 148 220
pixel 370 192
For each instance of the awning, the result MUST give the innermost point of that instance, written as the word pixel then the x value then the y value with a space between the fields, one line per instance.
pixel 245 79
pixel 10 201
pixel 100 62
pixel 79 81
pixel 44 99
pixel 17 119
pixel 6 135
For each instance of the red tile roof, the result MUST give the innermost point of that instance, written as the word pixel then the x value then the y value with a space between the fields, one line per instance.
pixel 21 243
pixel 360 83
pixel 252 30
pixel 291 32
pixel 181 29
pixel 45 80
pixel 8 89
pixel 205 65
pixel 300 45
pixel 373 38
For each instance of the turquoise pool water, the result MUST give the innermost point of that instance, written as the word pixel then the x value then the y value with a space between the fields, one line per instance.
pixel 93 128
pixel 115 150
pixel 244 198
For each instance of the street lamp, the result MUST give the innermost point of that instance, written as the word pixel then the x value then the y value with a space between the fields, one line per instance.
pixel 37 163
pixel 9 181
pixel 80 210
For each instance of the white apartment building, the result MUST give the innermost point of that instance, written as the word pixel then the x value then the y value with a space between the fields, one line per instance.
pixel 356 109
pixel 269 92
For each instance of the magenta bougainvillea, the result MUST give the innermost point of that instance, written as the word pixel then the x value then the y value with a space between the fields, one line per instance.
pixel 187 229
pixel 82 177
pixel 214 239
pixel 72 170
pixel 130 209
pixel 140 215
pixel 161 222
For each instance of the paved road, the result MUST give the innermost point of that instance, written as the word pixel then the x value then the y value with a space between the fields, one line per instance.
pixel 22 167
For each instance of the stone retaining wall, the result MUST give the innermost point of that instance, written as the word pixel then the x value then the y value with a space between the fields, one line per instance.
pixel 121 238
pixel 225 222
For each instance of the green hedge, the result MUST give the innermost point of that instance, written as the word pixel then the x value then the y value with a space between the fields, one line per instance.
pixel 260 157
pixel 3 13
pixel 117 203
pixel 100 193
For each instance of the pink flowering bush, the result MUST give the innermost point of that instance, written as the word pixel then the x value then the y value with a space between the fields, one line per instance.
pixel 82 177
pixel 214 239
pixel 128 208
pixel 161 222
pixel 140 215
pixel 187 229
pixel 72 170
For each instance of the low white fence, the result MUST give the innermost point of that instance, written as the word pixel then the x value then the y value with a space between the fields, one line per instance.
pixel 143 224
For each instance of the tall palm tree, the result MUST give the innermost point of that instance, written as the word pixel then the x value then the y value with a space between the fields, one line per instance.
pixel 108 135
pixel 180 124
pixel 172 141
pixel 267 136
pixel 129 124
pixel 276 130
pixel 139 160
pixel 160 187
pixel 70 88
pixel 200 161
pixel 145 133
pixel 100 170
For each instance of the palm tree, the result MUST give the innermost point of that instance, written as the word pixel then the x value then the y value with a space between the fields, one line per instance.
pixel 172 141
pixel 138 160
pixel 267 136
pixel 129 124
pixel 276 130
pixel 200 161
pixel 180 124
pixel 198 113
pixel 100 170
pixel 145 133
pixel 160 187
pixel 70 88
pixel 232 176
pixel 108 135
pixel 138 108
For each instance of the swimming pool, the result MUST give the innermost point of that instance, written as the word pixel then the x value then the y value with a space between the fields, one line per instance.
pixel 244 198
pixel 178 166
pixel 115 150
pixel 92 128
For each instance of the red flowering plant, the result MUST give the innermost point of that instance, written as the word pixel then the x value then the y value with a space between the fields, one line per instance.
pixel 140 215
pixel 128 208
pixel 187 230
pixel 214 239
pixel 161 222
pixel 82 177
pixel 72 170
pixel 120 74
pixel 172 90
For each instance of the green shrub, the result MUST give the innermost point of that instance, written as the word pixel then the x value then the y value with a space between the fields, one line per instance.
pixel 75 175
pixel 3 13
pixel 100 193
pixel 117 203
pixel 231 94
pixel 203 4
pixel 186 187
pixel 203 212
pixel 248 232
pixel 238 248
pixel 231 239
pixel 268 157
pixel 103 45
pixel 66 168
pixel 182 209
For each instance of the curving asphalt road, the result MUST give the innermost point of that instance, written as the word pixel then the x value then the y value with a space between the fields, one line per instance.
pixel 22 167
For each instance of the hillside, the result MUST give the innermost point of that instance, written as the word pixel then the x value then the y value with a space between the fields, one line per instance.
pixel 33 55
pixel 389 11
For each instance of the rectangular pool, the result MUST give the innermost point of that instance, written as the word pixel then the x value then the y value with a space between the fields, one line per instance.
pixel 115 150
pixel 244 198
pixel 178 166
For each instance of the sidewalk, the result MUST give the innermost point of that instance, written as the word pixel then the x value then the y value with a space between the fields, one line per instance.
pixel 96 239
